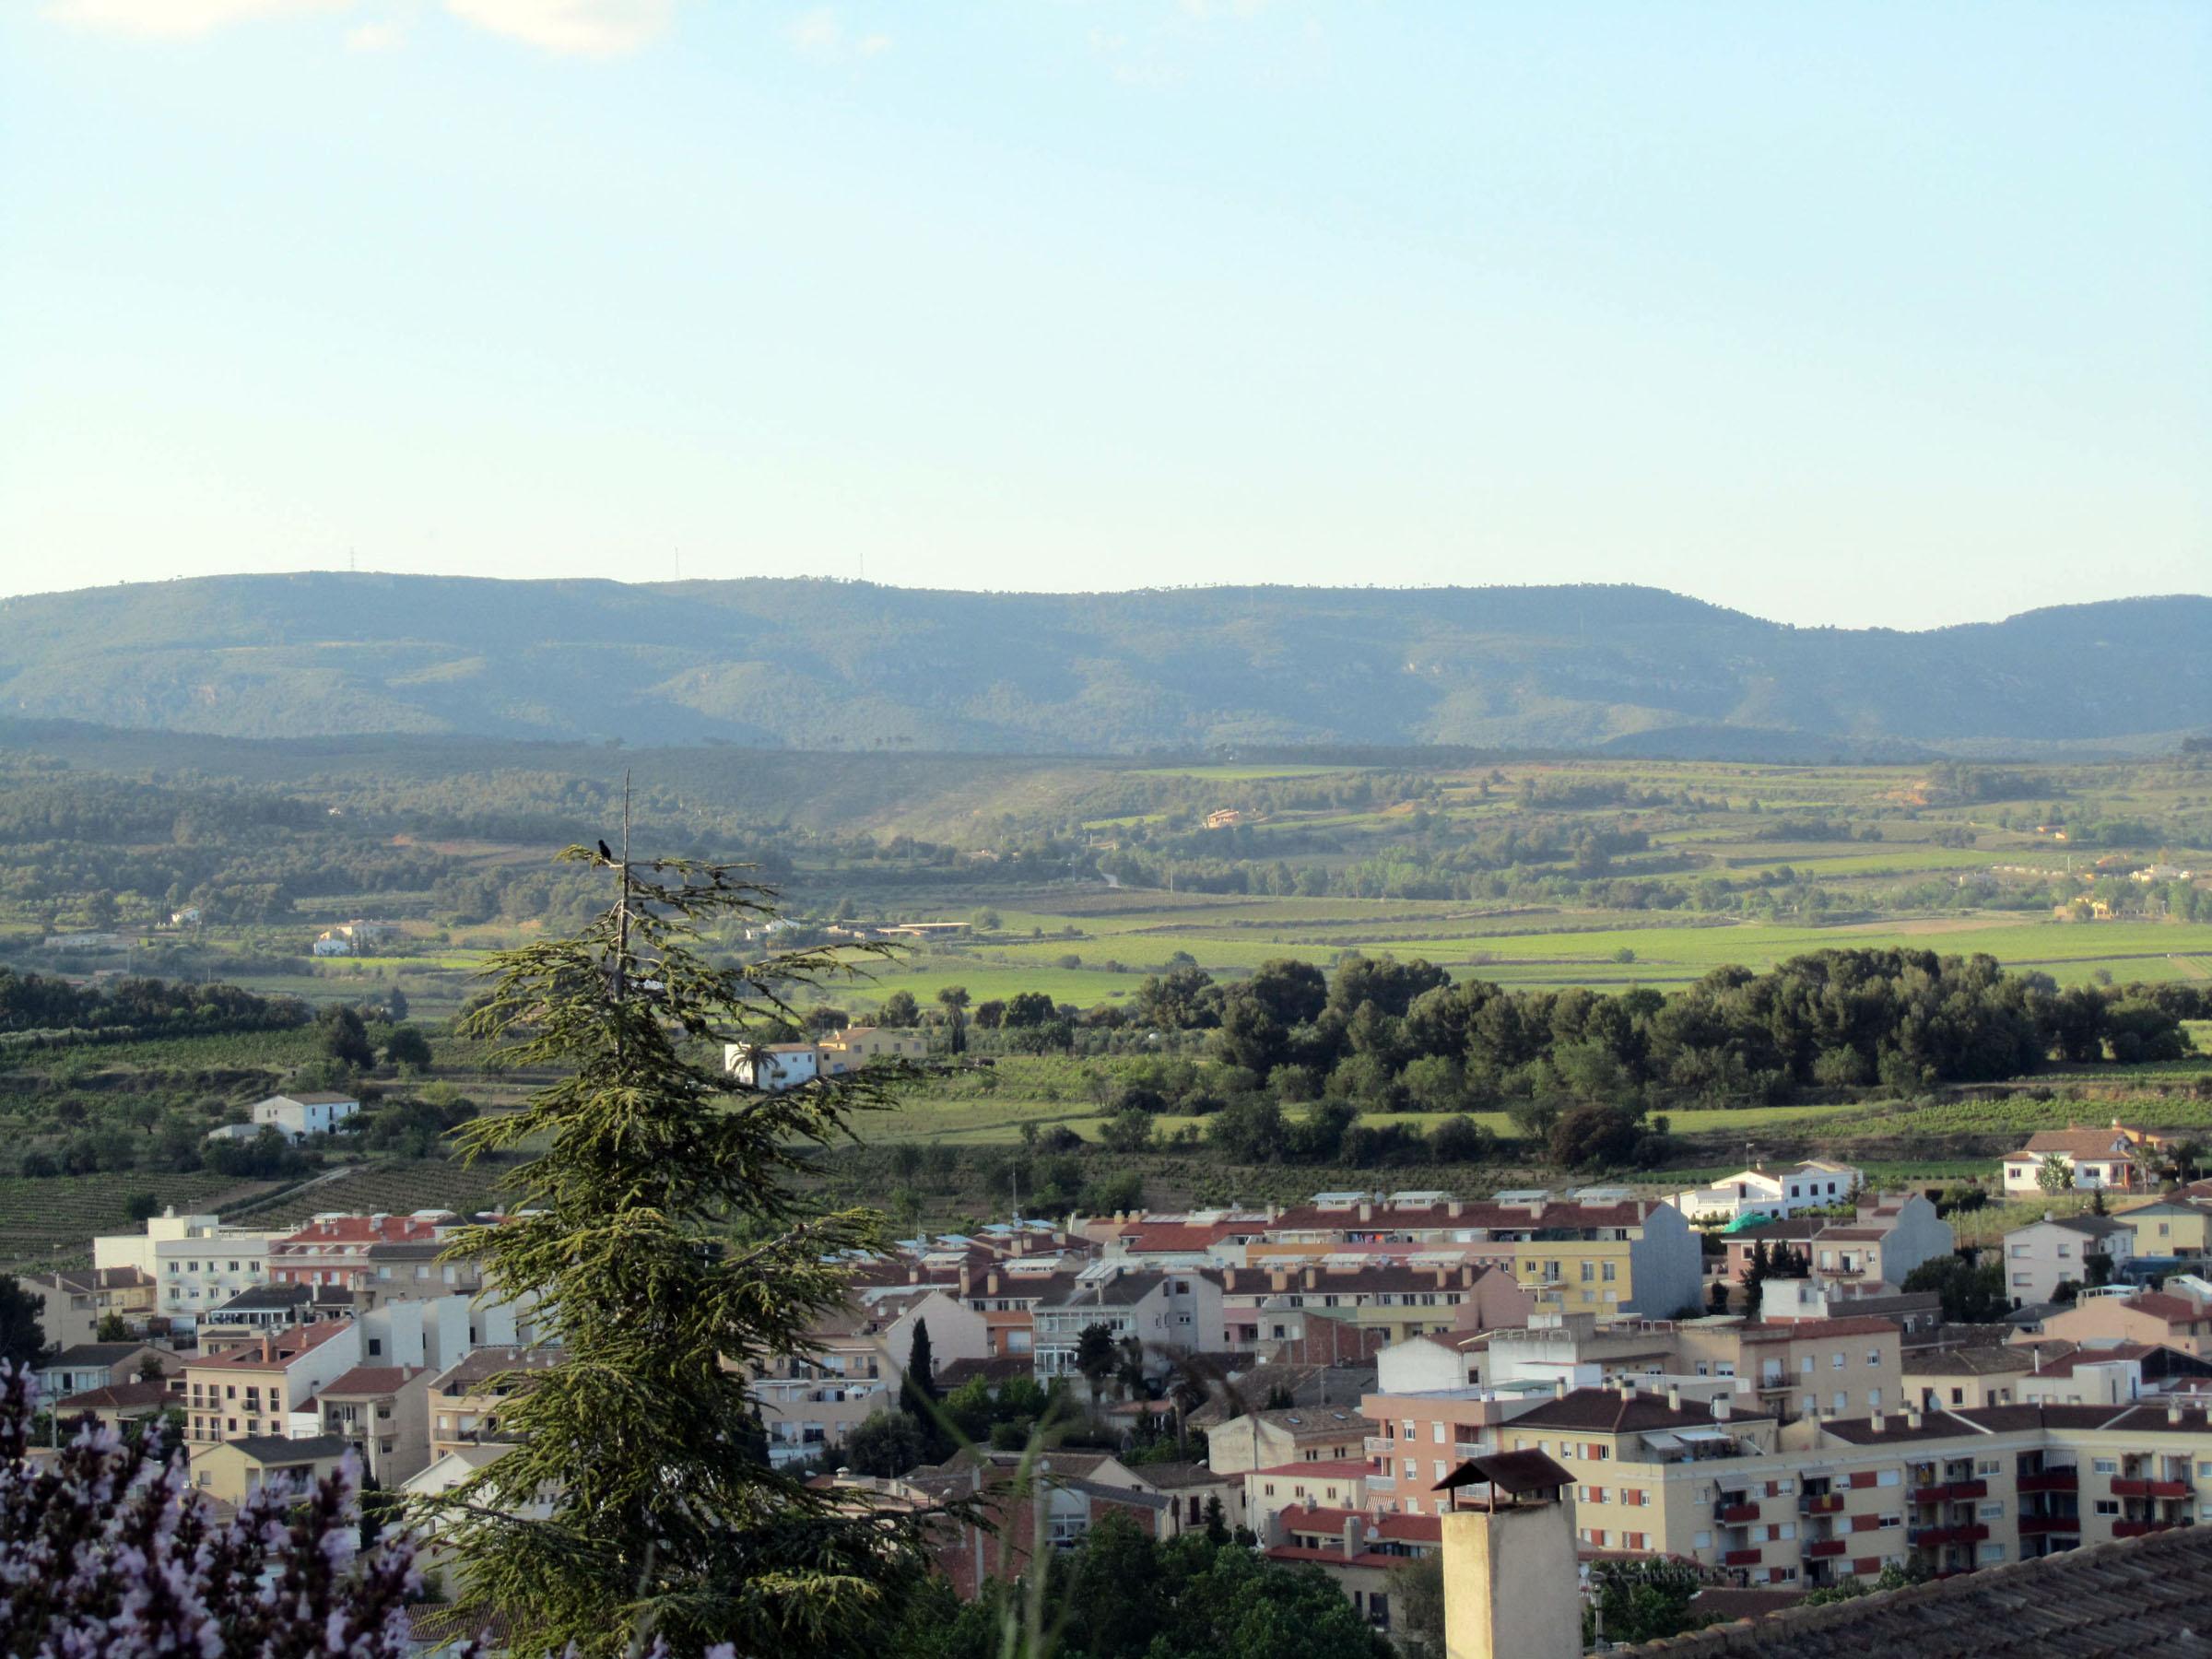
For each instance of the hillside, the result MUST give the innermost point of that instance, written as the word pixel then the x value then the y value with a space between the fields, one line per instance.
pixel 822 665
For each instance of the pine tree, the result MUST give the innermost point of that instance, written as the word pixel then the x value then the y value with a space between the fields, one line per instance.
pixel 668 1258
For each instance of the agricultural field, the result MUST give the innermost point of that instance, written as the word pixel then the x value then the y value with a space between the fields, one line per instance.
pixel 48 1224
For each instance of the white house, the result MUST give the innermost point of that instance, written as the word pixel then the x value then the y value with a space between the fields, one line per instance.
pixel 2043 1254
pixel 773 1067
pixel 1167 1313
pixel 1813 1184
pixel 2095 1158
pixel 330 945
pixel 298 1116
pixel 197 1264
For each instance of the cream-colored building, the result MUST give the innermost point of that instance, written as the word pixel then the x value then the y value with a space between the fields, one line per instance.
pixel 233 1471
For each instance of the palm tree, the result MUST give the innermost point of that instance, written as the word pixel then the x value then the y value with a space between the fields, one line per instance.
pixel 1129 1368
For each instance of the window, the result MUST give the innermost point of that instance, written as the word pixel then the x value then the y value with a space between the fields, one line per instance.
pixel 1888 1477
pixel 1635 1497
pixel 1842 1401
pixel 1806 1365
pixel 2107 1506
pixel 1701 1540
pixel 1874 1357
pixel 1438 1427
pixel 1589 1271
pixel 2106 1465
pixel 1836 1360
pixel 1890 1521
pixel 1990 1552
pixel 1992 1512
pixel 1608 1274
pixel 1874 1399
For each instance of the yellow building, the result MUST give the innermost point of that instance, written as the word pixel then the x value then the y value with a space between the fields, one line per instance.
pixel 1816 1503
pixel 232 1471
pixel 2168 1227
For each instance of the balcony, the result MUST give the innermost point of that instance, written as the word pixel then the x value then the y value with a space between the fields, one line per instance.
pixel 1739 1558
pixel 2135 1529
pixel 1825 1503
pixel 1822 1548
pixel 1381 1445
pixel 1957 1491
pixel 1931 1538
pixel 1735 1514
pixel 2051 1480
pixel 2125 1488
pixel 2044 1526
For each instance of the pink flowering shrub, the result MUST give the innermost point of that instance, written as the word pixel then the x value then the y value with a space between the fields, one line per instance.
pixel 107 1553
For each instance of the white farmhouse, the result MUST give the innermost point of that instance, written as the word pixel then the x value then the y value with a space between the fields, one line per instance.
pixel 1813 1184
pixel 775 1067
pixel 298 1116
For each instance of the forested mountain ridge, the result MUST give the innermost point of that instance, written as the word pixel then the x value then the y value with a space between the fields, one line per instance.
pixel 814 663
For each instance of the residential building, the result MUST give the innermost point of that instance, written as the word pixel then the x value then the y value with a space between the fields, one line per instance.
pixel 232 1471
pixel 256 1388
pixel 1418 1437
pixel 1967 1378
pixel 334 1248
pixel 1165 1313
pixel 1813 1184
pixel 775 1067
pixel 2153 1317
pixel 195 1261
pixel 1268 1438
pixel 2109 1157
pixel 2064 1250
pixel 1393 1298
pixel 78 1301
pixel 2172 1229
pixel 1838 1367
pixel 297 1116
pixel 464 1397
pixel 1887 1235
pixel 86 1366
pixel 1359 1549
pixel 853 1366
pixel 382 1412
pixel 856 1046
pixel 1597 1251
pixel 271 1308
pixel 118 1403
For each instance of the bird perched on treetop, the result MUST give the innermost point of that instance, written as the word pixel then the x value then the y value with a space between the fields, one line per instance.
pixel 606 852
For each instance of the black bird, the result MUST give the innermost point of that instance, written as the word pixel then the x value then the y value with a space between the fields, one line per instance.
pixel 606 852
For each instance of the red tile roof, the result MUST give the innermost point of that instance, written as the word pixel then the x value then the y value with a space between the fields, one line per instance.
pixel 284 1345
pixel 1856 1324
pixel 375 1380
pixel 1407 1529
pixel 2174 1309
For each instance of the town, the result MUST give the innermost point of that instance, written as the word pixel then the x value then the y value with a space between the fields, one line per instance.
pixel 1737 1381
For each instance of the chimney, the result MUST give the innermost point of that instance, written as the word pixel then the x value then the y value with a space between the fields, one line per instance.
pixel 1911 1417
pixel 1721 1409
pixel 1351 1536
pixel 1559 1388
pixel 1627 1388
pixel 1313 1277
pixel 1467 1273
pixel 2174 1412
pixel 991 1282
pixel 1367 1210
pixel 1443 1277
pixel 965 1286
pixel 1454 1210
pixel 1875 1423
pixel 1228 1278
pixel 268 1348
pixel 1674 1396
pixel 1511 1590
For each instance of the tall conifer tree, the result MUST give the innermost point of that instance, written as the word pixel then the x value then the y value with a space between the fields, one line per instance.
pixel 659 1236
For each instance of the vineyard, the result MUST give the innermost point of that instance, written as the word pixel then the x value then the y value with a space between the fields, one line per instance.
pixel 47 1224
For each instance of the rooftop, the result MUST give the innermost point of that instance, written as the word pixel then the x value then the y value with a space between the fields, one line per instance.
pixel 2146 1596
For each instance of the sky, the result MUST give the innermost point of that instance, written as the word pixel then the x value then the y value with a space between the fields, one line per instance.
pixel 1848 315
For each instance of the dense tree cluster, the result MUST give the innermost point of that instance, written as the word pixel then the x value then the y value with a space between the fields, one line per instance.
pixel 1581 1068
pixel 138 1008
pixel 1121 1595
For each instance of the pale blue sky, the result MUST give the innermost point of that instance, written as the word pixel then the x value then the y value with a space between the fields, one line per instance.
pixel 1857 313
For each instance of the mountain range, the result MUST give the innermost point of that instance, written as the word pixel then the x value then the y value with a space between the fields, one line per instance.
pixel 809 664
